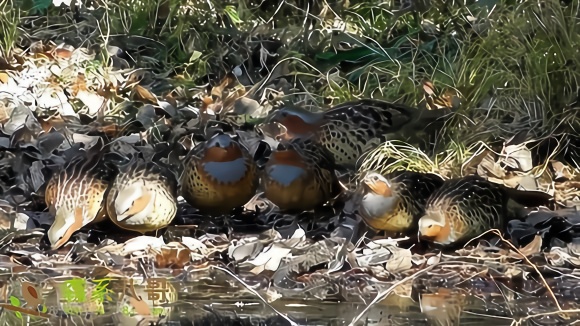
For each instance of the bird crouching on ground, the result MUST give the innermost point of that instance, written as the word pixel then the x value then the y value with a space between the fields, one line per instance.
pixel 219 175
pixel 299 176
pixel 464 208
pixel 142 196
pixel 75 195
pixel 350 129
pixel 395 202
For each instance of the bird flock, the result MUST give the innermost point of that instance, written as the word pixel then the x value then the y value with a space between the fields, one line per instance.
pixel 297 158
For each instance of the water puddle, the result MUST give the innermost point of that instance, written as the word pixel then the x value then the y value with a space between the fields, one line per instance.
pixel 93 295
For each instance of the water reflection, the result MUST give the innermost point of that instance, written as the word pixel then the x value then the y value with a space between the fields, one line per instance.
pixel 208 296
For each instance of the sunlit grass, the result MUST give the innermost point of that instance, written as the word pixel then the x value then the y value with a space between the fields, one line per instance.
pixel 9 17
pixel 513 64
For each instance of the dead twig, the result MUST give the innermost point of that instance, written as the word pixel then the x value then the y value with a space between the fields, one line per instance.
pixel 498 233
pixel 382 295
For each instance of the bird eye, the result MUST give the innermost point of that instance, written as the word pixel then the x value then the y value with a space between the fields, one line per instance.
pixel 430 226
pixel 284 114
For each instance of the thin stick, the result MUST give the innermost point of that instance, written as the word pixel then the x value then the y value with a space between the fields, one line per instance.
pixel 568 311
pixel 498 233
pixel 255 293
pixel 385 293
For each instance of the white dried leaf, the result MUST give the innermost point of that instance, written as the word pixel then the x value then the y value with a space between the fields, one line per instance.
pixel 528 182
pixel 94 102
pixel 573 248
pixel 142 243
pixel 375 257
pixel 88 141
pixel 489 167
pixel 400 261
pixel 518 157
pixel 561 172
pixel 271 257
pixel 21 221
pixel 434 260
pixel 245 250
pixel 193 244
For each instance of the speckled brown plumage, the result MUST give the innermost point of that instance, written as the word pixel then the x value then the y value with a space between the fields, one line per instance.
pixel 219 175
pixel 350 129
pixel 395 202
pixel 75 196
pixel 142 196
pixel 299 176
pixel 464 208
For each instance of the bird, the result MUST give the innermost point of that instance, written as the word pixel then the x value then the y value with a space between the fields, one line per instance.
pixel 395 202
pixel 299 176
pixel 142 196
pixel 75 195
pixel 464 208
pixel 219 175
pixel 352 128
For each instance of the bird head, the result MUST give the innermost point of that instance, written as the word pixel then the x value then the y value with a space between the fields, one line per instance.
pixel 134 200
pixel 287 154
pixel 225 160
pixel 66 222
pixel 434 225
pixel 222 148
pixel 378 184
pixel 289 122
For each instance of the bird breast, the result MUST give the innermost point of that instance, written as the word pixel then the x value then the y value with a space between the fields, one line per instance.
pixel 285 175
pixel 226 172
pixel 375 206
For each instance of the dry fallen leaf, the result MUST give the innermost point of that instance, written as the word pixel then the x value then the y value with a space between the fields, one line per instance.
pixel 142 94
pixel 489 167
pixel 517 157
pixel 173 255
pixel 4 77
pixel 400 261
pixel 93 101
pixel 531 248
pixel 561 171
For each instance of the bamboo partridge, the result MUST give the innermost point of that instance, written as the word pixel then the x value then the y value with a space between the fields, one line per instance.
pixel 350 129
pixel 299 176
pixel 75 196
pixel 219 175
pixel 394 203
pixel 464 208
pixel 142 196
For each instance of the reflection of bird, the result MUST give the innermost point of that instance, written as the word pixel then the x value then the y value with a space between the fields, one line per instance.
pixel 396 202
pixel 299 175
pixel 147 303
pixel 443 307
pixel 219 175
pixel 464 208
pixel 349 129
pixel 142 196
pixel 75 196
